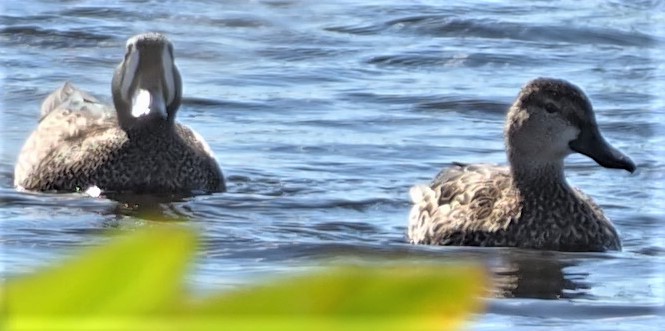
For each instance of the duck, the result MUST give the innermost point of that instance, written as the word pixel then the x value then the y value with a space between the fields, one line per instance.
pixel 527 204
pixel 134 146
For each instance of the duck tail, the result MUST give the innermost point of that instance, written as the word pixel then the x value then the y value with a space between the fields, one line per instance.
pixel 425 204
pixel 421 194
pixel 57 98
pixel 65 95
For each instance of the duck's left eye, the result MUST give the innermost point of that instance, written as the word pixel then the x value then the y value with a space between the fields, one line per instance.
pixel 551 108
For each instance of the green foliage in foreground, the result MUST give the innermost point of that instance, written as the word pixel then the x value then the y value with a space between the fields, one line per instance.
pixel 136 283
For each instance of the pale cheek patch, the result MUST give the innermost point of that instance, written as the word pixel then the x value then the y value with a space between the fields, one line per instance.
pixel 141 104
pixel 568 135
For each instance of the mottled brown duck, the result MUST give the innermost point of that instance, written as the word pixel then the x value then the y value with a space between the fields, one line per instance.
pixel 135 146
pixel 528 204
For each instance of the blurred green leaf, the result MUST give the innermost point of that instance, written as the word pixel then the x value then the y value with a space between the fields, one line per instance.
pixel 404 297
pixel 137 275
pixel 136 283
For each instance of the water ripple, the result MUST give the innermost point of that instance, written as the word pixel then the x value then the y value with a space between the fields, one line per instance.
pixel 36 36
pixel 450 26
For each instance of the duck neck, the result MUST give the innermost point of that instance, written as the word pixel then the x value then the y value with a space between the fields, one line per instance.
pixel 150 128
pixel 535 179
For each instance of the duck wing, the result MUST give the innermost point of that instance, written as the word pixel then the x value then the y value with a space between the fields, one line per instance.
pixel 68 116
pixel 463 203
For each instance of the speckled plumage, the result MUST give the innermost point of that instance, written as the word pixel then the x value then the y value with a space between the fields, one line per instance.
pixel 80 143
pixel 528 204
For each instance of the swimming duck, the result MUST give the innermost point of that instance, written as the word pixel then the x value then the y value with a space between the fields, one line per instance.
pixel 528 204
pixel 81 143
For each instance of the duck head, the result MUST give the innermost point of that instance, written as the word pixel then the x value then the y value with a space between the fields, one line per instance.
pixel 552 118
pixel 146 86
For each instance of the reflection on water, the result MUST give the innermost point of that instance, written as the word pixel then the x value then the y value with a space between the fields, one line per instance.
pixel 538 276
pixel 158 208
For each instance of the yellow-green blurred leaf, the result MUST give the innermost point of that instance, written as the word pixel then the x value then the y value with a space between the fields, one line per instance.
pixel 137 275
pixel 136 283
pixel 406 297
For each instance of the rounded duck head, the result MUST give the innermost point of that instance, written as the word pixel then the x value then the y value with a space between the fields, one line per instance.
pixel 146 86
pixel 552 118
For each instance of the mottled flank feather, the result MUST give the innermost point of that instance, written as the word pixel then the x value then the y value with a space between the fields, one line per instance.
pixel 528 204
pixel 461 200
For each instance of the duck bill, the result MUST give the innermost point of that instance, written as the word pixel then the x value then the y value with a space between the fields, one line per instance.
pixel 592 144
pixel 150 74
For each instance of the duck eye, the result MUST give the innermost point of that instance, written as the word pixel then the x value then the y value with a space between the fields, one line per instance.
pixel 551 108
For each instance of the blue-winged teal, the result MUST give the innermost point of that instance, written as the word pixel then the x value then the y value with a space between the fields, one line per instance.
pixel 528 204
pixel 81 143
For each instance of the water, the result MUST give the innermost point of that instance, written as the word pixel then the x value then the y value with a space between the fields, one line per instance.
pixel 323 115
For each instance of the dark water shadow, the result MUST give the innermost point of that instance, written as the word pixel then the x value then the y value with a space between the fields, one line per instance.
pixel 514 273
pixel 150 207
pixel 537 275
